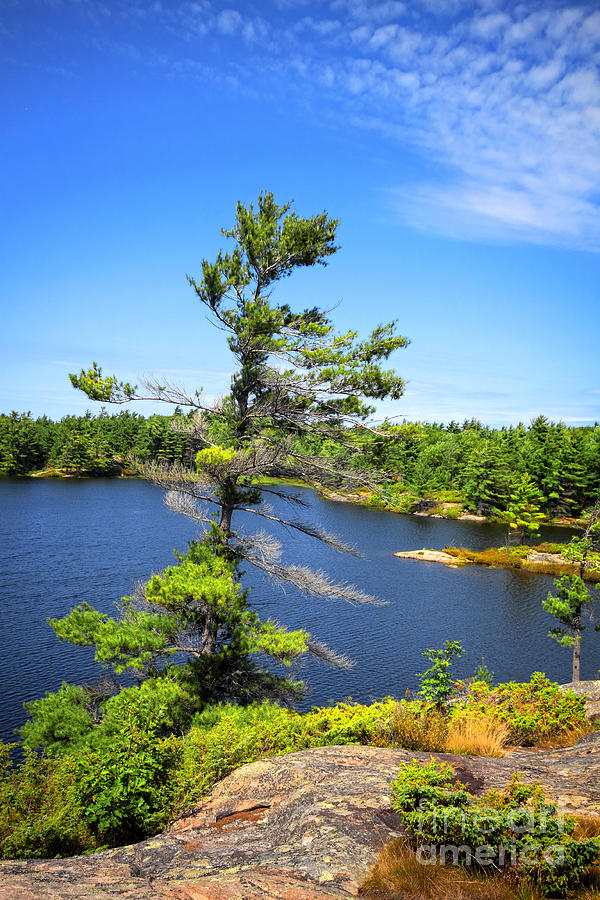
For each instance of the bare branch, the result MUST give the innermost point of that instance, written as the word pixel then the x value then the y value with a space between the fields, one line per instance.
pixel 321 651
pixel 197 429
pixel 332 540
pixel 179 478
pixel 179 502
pixel 311 583
pixel 261 546
pixel 291 499
pixel 165 393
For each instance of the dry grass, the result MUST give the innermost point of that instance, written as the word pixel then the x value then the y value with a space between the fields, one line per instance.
pixel 587 827
pixel 477 736
pixel 423 728
pixel 565 739
pixel 398 875
pixel 592 885
pixel 516 558
pixel 495 557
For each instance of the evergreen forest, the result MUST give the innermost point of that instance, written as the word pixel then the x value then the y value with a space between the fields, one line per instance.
pixel 471 464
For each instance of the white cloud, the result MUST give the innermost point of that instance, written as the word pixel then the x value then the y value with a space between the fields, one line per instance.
pixel 383 36
pixel 229 21
pixel 502 99
pixel 367 11
pixel 489 26
pixel 514 121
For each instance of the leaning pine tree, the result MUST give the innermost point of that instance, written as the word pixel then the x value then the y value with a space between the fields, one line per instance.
pixel 573 597
pixel 295 377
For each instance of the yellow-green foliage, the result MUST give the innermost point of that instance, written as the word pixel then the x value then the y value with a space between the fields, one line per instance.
pixel 226 736
pixel 212 457
pixel 420 726
pixel 550 547
pixel 536 712
pixel 494 556
pixel 516 558
pixel 277 641
pixel 41 812
pixel 451 511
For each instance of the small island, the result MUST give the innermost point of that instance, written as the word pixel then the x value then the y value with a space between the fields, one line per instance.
pixel 543 559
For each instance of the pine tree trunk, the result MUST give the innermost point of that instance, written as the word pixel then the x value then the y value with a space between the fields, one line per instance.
pixel 577 645
pixel 225 521
pixel 209 635
pixel 577 629
pixel 209 632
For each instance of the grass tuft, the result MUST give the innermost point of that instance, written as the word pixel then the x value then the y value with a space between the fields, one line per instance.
pixel 398 875
pixel 477 736
pixel 420 726
pixel 587 827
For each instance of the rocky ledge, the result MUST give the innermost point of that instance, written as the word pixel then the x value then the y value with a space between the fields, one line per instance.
pixel 424 555
pixel 535 561
pixel 591 691
pixel 303 826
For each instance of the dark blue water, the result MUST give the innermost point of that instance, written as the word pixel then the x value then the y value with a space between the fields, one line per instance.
pixel 62 542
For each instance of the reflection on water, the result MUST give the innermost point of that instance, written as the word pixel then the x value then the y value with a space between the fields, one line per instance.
pixel 67 541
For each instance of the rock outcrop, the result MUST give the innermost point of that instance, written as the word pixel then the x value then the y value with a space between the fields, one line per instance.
pixel 591 691
pixel 424 555
pixel 303 826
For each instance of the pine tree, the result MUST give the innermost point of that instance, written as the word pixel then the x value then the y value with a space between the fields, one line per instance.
pixel 573 594
pixel 295 376
pixel 486 478
pixel 524 515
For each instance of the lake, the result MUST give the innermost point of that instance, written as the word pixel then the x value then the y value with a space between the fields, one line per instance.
pixel 62 542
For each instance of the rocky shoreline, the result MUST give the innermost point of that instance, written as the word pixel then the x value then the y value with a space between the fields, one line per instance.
pixel 429 509
pixel 542 563
pixel 302 826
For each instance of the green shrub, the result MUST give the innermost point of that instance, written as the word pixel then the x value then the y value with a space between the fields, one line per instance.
pixel 109 785
pixel 41 813
pixel 420 726
pixel 514 830
pixel 451 512
pixel 437 683
pixel 351 723
pixel 61 721
pixel 482 673
pixel 126 784
pixel 394 497
pixel 159 704
pixel 536 712
pixel 449 495
pixel 226 736
pixel 549 547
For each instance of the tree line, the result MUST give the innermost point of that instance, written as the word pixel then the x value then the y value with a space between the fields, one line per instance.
pixel 483 467
pixel 472 463
pixel 96 445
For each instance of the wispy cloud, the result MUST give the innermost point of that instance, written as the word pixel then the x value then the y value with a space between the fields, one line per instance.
pixel 501 101
pixel 506 101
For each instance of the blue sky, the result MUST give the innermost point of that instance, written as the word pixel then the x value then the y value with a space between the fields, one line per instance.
pixel 458 142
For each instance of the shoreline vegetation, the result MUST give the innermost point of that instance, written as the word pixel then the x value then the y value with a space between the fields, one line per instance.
pixel 543 559
pixel 469 471
pixel 439 508
pixel 120 777
pixel 427 507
